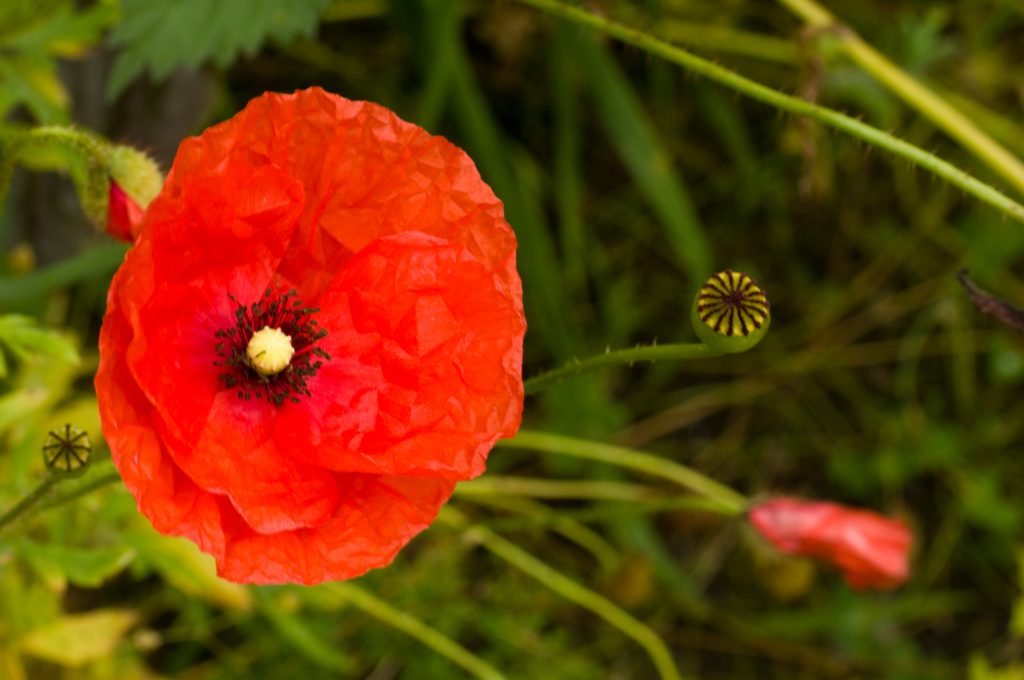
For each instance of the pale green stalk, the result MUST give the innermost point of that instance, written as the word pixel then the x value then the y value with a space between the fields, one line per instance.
pixel 913 92
pixel 575 489
pixel 619 357
pixel 730 502
pixel 415 628
pixel 26 503
pixel 559 522
pixel 785 102
pixel 570 590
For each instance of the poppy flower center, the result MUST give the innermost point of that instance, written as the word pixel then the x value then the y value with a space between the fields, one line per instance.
pixel 270 351
pixel 731 303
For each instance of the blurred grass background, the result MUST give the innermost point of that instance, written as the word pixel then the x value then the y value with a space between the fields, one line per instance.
pixel 626 179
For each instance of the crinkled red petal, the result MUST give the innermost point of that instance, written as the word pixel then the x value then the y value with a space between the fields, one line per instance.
pixel 376 518
pixel 394 235
pixel 428 375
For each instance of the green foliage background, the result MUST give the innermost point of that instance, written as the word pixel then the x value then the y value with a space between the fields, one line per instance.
pixel 626 179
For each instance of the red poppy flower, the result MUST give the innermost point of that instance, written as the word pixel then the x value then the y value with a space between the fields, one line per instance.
pixel 872 551
pixel 318 332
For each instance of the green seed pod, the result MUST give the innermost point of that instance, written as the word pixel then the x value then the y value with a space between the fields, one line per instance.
pixel 67 451
pixel 730 313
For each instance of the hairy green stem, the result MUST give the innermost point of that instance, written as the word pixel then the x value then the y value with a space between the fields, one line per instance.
pixel 785 102
pixel 91 149
pixel 913 92
pixel 729 501
pixel 415 628
pixel 570 590
pixel 26 503
pixel 619 357
pixel 83 490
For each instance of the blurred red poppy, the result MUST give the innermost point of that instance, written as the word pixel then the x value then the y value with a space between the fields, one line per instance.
pixel 872 551
pixel 317 333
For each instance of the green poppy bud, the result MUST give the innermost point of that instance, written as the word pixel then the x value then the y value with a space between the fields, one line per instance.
pixel 730 313
pixel 136 173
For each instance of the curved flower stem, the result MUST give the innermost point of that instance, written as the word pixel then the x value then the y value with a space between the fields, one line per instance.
pixel 619 357
pixel 26 503
pixel 585 489
pixel 913 92
pixel 785 102
pixel 87 144
pixel 572 530
pixel 730 502
pixel 570 590
pixel 92 149
pixel 83 490
pixel 415 628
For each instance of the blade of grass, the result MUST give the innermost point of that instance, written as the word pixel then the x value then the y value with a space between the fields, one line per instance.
pixel 566 165
pixel 569 589
pixel 293 630
pixel 86 265
pixel 563 489
pixel 414 628
pixel 645 156
pixel 442 32
pixel 731 502
pixel 538 514
pixel 785 102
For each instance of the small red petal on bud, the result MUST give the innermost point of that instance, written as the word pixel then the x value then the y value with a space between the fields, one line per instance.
pixel 124 216
pixel 872 551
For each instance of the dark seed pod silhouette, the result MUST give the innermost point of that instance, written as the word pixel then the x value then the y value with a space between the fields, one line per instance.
pixel 986 303
pixel 731 312
pixel 67 451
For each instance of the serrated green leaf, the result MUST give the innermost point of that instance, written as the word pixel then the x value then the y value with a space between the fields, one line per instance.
pixel 87 567
pixel 158 36
pixel 76 639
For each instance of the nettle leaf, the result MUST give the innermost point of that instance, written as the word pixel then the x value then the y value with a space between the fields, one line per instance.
pixel 158 36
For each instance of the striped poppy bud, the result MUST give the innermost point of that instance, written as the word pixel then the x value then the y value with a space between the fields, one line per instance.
pixel 730 313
